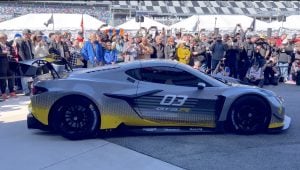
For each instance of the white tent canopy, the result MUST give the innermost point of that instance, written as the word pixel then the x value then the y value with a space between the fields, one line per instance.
pixel 61 22
pixel 223 22
pixel 292 22
pixel 132 25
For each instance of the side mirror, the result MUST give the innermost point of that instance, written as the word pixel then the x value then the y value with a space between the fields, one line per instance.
pixel 201 86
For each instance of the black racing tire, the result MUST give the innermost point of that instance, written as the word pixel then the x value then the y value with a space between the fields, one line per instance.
pixel 76 118
pixel 249 115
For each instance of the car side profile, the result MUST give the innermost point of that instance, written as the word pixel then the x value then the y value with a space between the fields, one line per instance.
pixel 147 94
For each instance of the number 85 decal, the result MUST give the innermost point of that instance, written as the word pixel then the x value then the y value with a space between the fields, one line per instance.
pixel 173 100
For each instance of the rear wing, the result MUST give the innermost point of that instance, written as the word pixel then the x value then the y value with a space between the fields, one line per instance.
pixel 36 67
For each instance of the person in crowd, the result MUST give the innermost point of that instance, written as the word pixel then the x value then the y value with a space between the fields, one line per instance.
pixel 158 48
pixel 183 53
pixel 67 36
pixel 221 68
pixel 16 57
pixel 110 54
pixel 119 43
pixel 92 52
pixel 126 37
pixel 59 47
pixel 281 39
pixel 138 38
pixel 197 50
pixel 198 65
pixel 244 58
pixel 264 47
pixel 270 70
pixel 25 47
pixel 259 56
pixel 232 56
pixel 6 74
pixel 218 49
pixel 255 75
pixel 170 49
pixel 130 50
pixel 75 52
pixel 284 60
pixel 295 71
pixel 295 68
pixel 40 47
pixel 25 51
pixel 146 50
pixel 80 37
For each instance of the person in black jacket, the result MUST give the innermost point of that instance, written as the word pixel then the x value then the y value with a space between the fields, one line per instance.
pixel 25 47
pixel 6 74
pixel 25 51
pixel 59 47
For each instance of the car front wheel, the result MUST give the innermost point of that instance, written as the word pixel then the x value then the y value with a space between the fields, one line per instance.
pixel 249 115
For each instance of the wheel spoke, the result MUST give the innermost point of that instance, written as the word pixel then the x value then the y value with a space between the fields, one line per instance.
pixel 248 118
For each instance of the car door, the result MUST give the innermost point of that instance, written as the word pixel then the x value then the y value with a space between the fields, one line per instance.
pixel 176 98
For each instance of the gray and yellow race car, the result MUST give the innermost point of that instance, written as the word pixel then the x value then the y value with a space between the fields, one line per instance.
pixel 154 94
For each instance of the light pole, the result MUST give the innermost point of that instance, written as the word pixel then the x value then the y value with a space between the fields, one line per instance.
pixel 215 22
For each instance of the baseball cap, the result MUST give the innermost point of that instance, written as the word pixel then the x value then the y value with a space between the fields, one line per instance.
pixel 26 31
pixel 17 35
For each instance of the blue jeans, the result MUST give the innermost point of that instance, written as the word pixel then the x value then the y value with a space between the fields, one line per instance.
pixel 284 67
pixel 214 63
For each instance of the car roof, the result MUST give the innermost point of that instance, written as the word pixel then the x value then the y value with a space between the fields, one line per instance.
pixel 144 63
pixel 128 65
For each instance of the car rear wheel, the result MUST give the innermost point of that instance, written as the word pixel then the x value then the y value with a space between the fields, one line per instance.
pixel 249 115
pixel 76 119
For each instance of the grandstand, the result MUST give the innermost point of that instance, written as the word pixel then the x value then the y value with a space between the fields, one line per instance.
pixel 167 11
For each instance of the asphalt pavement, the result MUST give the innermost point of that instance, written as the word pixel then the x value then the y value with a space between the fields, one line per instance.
pixel 33 149
pixel 228 151
pixel 23 149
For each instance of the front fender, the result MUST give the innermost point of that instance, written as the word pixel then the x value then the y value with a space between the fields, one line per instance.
pixel 235 93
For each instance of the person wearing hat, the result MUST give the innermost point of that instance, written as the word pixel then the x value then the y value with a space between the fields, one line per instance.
pixel 218 49
pixel 138 38
pixel 40 47
pixel 25 46
pixel 25 51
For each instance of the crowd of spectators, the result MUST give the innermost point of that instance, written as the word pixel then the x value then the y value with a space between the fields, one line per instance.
pixel 243 55
pixel 12 9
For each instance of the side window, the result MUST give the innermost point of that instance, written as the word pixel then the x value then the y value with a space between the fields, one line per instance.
pixel 169 75
pixel 134 73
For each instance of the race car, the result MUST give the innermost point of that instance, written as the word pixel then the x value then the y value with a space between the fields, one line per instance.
pixel 152 94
